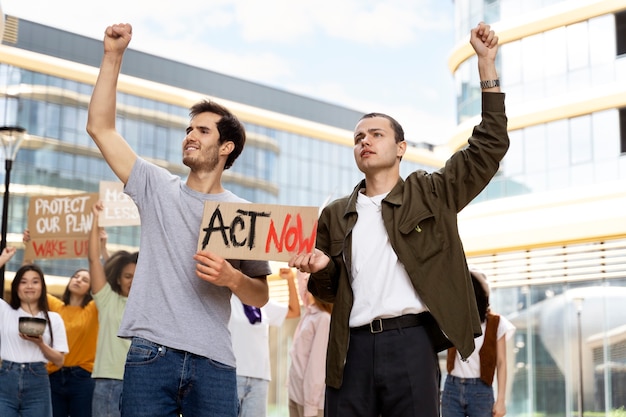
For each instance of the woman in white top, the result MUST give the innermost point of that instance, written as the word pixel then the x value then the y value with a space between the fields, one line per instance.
pixel 24 383
pixel 468 388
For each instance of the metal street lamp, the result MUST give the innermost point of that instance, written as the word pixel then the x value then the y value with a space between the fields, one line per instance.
pixel 578 302
pixel 12 137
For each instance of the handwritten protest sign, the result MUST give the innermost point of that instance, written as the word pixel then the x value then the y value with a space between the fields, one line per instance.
pixel 59 226
pixel 119 208
pixel 257 231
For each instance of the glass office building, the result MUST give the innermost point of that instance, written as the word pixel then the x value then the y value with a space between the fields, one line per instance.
pixel 554 242
pixel 549 231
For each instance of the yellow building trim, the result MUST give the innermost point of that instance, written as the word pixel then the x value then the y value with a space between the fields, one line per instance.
pixel 131 85
pixel 184 98
pixel 574 215
pixel 545 18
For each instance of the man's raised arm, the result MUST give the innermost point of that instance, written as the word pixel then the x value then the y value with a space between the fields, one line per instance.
pixel 102 107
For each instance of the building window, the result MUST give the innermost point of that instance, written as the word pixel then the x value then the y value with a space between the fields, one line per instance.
pixel 620 32
pixel 622 130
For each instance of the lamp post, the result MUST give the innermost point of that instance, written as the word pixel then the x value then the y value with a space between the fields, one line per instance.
pixel 578 302
pixel 12 137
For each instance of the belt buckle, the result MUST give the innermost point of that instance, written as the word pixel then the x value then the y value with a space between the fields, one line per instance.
pixel 376 329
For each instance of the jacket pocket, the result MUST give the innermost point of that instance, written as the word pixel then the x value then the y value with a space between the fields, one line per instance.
pixel 424 235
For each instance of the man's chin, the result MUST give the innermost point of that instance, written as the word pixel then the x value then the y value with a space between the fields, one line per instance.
pixel 188 161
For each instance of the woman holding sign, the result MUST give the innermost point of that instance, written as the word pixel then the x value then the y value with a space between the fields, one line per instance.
pixel 110 286
pixel 24 383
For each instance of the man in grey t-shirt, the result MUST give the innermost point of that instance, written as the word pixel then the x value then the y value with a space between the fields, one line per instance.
pixel 180 359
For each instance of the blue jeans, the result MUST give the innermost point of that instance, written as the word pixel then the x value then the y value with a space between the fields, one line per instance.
pixel 466 397
pixel 24 390
pixel 72 389
pixel 164 382
pixel 107 396
pixel 252 394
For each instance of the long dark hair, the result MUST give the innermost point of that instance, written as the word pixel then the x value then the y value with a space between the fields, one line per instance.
pixel 481 293
pixel 42 302
pixel 66 295
pixel 114 266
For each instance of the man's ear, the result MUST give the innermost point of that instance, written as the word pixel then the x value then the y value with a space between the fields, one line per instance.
pixel 227 147
pixel 401 149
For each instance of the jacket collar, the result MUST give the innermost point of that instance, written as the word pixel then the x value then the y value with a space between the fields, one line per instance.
pixel 394 197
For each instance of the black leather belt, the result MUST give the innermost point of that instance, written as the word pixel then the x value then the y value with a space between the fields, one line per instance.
pixel 381 325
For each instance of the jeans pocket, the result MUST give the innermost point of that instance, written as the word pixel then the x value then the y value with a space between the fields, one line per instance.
pixel 142 353
pixel 220 365
pixel 38 371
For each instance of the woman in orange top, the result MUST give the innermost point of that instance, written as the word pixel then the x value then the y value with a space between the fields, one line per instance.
pixel 71 385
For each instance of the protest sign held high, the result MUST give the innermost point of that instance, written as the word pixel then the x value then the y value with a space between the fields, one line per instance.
pixel 59 226
pixel 119 208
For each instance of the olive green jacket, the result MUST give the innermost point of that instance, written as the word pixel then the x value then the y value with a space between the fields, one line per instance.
pixel 420 216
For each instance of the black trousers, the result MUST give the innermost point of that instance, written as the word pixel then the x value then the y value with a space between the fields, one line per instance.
pixel 394 373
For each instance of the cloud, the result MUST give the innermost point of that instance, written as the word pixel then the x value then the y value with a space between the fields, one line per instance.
pixel 258 66
pixel 368 55
pixel 368 22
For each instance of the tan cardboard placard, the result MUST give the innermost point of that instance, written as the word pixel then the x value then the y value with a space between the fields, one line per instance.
pixel 59 226
pixel 257 231
pixel 119 208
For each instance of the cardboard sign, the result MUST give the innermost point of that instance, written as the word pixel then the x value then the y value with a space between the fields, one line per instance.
pixel 119 208
pixel 257 231
pixel 59 226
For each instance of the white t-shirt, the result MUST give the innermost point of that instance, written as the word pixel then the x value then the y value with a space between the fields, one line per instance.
pixel 380 283
pixel 471 368
pixel 251 341
pixel 15 349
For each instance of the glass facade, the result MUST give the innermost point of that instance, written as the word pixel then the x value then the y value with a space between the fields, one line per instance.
pixel 566 299
pixel 567 305
pixel 556 345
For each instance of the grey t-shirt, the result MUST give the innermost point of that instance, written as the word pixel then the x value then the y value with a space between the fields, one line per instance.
pixel 168 304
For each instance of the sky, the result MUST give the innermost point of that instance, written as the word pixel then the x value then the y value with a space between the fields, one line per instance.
pixel 385 56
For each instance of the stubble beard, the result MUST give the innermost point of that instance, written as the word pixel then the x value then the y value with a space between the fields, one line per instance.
pixel 208 164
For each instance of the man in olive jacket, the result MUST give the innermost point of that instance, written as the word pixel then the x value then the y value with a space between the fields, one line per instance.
pixel 390 258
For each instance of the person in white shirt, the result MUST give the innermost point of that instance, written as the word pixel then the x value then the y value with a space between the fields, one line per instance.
pixel 24 383
pixel 249 329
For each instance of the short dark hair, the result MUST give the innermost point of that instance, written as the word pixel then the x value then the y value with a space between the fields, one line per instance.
pixel 229 127
pixel 397 128
pixel 66 294
pixel 114 266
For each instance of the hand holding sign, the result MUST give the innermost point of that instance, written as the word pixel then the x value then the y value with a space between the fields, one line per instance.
pixel 216 270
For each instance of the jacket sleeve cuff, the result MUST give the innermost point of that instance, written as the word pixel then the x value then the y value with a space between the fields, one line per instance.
pixel 493 102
